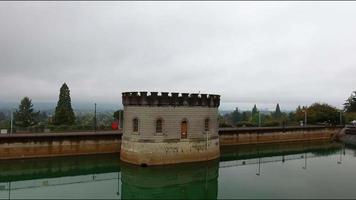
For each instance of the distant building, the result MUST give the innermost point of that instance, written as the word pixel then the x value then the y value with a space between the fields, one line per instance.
pixel 165 129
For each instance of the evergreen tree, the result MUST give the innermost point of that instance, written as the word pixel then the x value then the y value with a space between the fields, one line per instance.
pixel 25 116
pixel 277 113
pixel 43 116
pixel 2 116
pixel 64 114
pixel 235 116
pixel 254 110
pixel 350 104
pixel 245 116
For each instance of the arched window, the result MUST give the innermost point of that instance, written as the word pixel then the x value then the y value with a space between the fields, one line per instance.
pixel 135 125
pixel 159 126
pixel 184 129
pixel 206 124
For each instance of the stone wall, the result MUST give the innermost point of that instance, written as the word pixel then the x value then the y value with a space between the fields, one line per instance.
pixel 148 147
pixel 172 118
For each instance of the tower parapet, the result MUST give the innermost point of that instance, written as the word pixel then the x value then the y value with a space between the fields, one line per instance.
pixel 170 99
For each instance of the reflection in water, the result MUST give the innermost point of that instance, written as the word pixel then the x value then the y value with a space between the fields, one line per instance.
pixel 103 176
pixel 187 181
pixel 28 169
pixel 61 177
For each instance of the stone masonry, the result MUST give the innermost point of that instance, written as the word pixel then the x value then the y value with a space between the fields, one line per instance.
pixel 194 114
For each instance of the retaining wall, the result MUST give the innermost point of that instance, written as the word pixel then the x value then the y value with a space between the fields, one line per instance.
pixel 239 136
pixel 58 144
pixel 64 144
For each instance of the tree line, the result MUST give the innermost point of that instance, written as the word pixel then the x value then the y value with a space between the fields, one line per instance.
pixel 63 119
pixel 316 114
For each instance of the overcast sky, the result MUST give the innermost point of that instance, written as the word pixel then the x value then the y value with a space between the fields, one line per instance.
pixel 248 52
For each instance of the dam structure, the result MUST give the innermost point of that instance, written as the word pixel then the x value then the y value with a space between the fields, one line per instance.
pixel 169 128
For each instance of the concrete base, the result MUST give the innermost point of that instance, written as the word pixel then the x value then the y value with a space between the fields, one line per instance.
pixel 169 152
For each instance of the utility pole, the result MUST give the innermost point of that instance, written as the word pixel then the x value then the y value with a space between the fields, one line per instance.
pixel 12 120
pixel 340 117
pixel 305 117
pixel 94 117
pixel 119 119
pixel 259 118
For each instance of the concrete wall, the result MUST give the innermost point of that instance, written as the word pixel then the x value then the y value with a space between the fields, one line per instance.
pixel 271 135
pixel 49 145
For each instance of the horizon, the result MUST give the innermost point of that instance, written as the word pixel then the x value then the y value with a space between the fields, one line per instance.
pixel 105 106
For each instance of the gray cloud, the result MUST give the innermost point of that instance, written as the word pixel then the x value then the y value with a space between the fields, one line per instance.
pixel 249 52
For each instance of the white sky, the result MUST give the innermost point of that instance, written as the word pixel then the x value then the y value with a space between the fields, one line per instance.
pixel 248 52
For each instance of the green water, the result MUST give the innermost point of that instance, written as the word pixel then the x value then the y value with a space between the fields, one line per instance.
pixel 294 170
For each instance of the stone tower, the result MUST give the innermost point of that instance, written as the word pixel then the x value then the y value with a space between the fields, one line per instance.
pixel 165 129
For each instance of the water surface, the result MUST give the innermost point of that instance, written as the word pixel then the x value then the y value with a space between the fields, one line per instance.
pixel 291 170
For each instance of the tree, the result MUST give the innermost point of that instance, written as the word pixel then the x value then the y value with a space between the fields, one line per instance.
pixel 254 110
pixel 317 113
pixel 245 116
pixel 25 116
pixel 235 116
pixel 64 114
pixel 118 114
pixel 322 112
pixel 350 104
pixel 2 116
pixel 43 116
pixel 277 113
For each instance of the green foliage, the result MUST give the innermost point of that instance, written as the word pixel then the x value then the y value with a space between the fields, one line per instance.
pixel 317 113
pixel 350 104
pixel 43 117
pixel 5 124
pixel 246 124
pixel 235 116
pixel 271 123
pixel 254 110
pixel 246 116
pixel 25 115
pixel 277 113
pixel 65 128
pixel 86 119
pixel 298 115
pixel 119 114
pixel 64 114
pixel 222 121
pixel 2 116
pixel 350 116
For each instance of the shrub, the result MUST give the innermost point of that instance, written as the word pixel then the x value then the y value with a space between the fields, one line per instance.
pixel 271 124
pixel 245 124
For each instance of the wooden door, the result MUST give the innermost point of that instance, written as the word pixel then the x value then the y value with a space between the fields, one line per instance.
pixel 183 130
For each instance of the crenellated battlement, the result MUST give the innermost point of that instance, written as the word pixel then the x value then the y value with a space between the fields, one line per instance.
pixel 169 99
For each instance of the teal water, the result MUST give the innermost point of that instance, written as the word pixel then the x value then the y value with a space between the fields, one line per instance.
pixel 292 170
